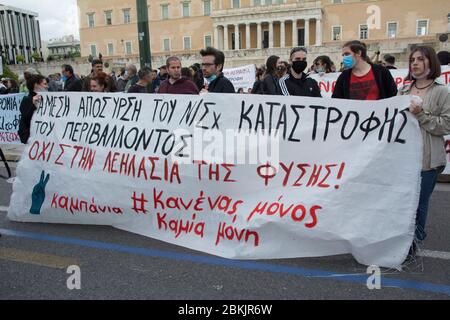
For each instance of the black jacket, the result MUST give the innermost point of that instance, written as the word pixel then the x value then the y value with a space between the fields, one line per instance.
pixel 305 86
pixel 27 109
pixel 73 85
pixel 385 82
pixel 271 85
pixel 221 85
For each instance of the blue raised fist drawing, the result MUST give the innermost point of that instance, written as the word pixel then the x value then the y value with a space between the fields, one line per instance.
pixel 38 195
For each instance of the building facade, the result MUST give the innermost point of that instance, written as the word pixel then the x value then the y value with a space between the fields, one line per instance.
pixel 19 35
pixel 248 31
pixel 63 48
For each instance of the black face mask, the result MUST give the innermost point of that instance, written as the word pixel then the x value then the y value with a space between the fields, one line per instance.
pixel 299 66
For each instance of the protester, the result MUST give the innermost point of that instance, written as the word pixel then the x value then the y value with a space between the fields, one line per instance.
pixel 258 84
pixel 132 77
pixel 270 84
pixel 296 83
pixel 144 83
pixel 35 85
pixel 282 69
pixel 444 58
pixel 26 75
pixel 322 65
pixel 389 62
pixel 71 82
pixel 213 62
pixel 430 103
pixel 198 76
pixel 362 80
pixel 97 66
pixel 187 73
pixel 176 84
pixel 12 86
pixel 121 81
pixel 101 82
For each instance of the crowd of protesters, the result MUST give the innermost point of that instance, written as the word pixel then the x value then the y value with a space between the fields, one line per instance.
pixel 362 78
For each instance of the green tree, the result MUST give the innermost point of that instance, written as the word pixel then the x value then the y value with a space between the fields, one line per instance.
pixel 36 56
pixel 20 58
pixel 7 73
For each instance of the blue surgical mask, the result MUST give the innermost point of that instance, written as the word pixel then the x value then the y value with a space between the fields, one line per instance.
pixel 349 62
pixel 212 78
pixel 64 78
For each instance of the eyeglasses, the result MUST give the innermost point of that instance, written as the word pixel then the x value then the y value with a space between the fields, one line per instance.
pixel 208 64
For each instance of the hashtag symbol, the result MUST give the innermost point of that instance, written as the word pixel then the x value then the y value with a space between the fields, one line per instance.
pixel 139 203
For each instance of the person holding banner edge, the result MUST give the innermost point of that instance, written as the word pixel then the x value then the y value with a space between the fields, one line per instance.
pixel 430 104
pixel 362 80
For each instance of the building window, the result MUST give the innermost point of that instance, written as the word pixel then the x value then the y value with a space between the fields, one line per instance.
pixel 185 9
pixel 126 16
pixel 93 50
pixel 208 41
pixel 392 30
pixel 236 4
pixel 165 11
pixel 110 49
pixel 207 7
pixel 128 48
pixel 363 32
pixel 336 33
pixel 90 20
pixel 422 27
pixel 256 3
pixel 108 18
pixel 336 1
pixel 166 44
pixel 187 43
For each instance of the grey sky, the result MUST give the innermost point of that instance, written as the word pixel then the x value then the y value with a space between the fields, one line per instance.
pixel 57 18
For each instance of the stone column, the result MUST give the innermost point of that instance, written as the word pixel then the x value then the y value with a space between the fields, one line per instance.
pixel 294 33
pixel 225 37
pixel 306 32
pixel 216 37
pixel 247 36
pixel 318 32
pixel 236 37
pixel 259 35
pixel 282 34
pixel 271 34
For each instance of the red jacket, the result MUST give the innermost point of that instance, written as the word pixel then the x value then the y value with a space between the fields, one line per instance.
pixel 181 86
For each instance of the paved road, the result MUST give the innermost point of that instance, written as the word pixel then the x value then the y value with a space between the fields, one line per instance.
pixel 119 265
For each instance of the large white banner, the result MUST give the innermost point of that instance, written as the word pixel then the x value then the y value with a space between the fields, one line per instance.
pixel 9 118
pixel 340 176
pixel 242 77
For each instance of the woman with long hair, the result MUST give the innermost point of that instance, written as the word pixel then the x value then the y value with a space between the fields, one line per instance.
pixel 430 104
pixel 270 83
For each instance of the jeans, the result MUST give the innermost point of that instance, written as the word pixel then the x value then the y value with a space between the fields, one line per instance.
pixel 426 189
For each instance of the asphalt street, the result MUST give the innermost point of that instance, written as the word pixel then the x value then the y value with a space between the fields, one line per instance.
pixel 115 264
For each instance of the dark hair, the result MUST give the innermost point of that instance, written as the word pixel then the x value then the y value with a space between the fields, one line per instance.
pixel 97 61
pixel 67 68
pixel 271 65
pixel 357 46
pixel 170 59
pixel 33 80
pixel 389 58
pixel 186 72
pixel 297 49
pixel 430 54
pixel 219 57
pixel 444 57
pixel 101 79
pixel 145 71
pixel 326 61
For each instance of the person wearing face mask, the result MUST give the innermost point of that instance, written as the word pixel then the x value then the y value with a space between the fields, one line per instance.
pixel 322 65
pixel 270 84
pixel 296 82
pixel 213 61
pixel 35 85
pixel 362 80
pixel 70 81
pixel 430 104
